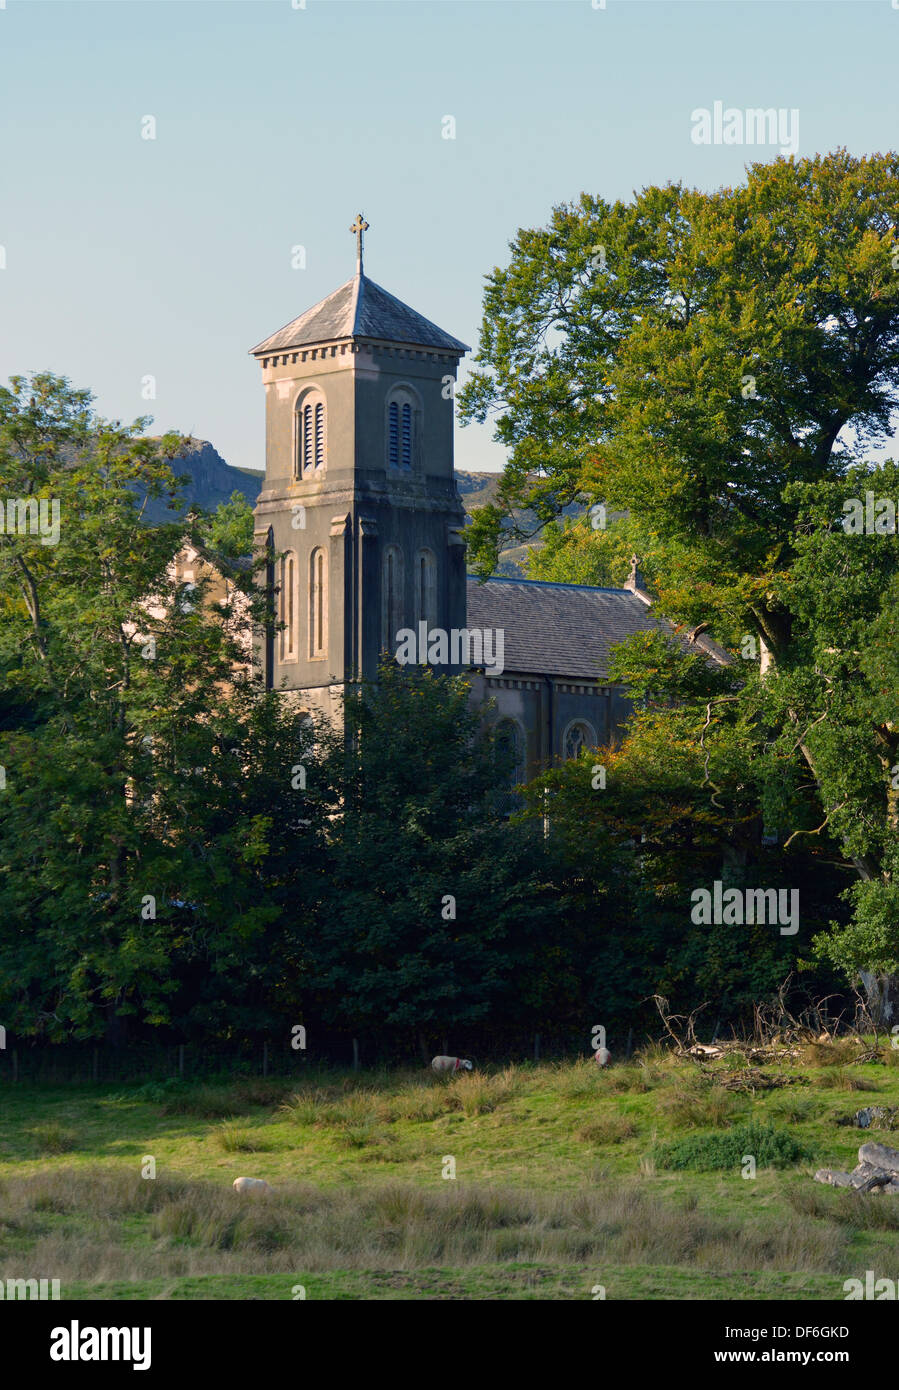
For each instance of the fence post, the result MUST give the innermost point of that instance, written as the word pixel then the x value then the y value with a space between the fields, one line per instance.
pixel 355 1054
pixel 630 1041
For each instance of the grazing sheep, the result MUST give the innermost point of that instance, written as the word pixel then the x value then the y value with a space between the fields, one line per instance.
pixel 602 1056
pixel 445 1064
pixel 257 1185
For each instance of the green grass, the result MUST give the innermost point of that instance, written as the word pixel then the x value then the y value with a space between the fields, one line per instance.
pixel 560 1185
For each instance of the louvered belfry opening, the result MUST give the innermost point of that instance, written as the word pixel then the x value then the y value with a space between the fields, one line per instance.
pixel 310 436
pixel 406 456
pixel 319 434
pixel 393 443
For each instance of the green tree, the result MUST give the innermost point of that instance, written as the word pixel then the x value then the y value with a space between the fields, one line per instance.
pixel 150 831
pixel 707 362
pixel 681 804
pixel 229 533
pixel 441 916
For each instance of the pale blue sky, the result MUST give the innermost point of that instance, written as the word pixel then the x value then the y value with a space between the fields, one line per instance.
pixel 128 257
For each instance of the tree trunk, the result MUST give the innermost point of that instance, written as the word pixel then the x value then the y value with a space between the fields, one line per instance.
pixel 882 992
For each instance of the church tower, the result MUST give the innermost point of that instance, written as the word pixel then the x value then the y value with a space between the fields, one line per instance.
pixel 359 507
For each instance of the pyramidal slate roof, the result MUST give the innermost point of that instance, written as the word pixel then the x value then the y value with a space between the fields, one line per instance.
pixel 360 309
pixel 564 629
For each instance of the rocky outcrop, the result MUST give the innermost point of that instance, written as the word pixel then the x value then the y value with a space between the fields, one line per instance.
pixel 211 481
pixel 876 1117
pixel 880 1156
pixel 877 1171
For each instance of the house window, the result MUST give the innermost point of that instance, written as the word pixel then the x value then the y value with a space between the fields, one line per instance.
pixel 288 607
pixel 310 434
pixel 426 587
pixel 318 605
pixel 403 429
pixel 578 737
pixel 391 597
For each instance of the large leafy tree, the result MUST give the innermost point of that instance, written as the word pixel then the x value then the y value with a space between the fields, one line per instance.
pixel 150 823
pixel 685 800
pixel 719 366
pixel 441 917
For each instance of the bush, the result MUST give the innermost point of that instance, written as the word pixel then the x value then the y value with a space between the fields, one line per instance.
pixel 839 1079
pixel 693 1104
pixel 476 1094
pixel 235 1138
pixel 610 1129
pixel 770 1147
pixel 53 1138
pixel 417 1103
pixel 795 1110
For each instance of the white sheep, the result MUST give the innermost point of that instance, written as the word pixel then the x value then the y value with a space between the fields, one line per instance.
pixel 445 1064
pixel 257 1185
pixel 602 1056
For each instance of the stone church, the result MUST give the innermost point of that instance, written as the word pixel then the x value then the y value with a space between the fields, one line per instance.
pixel 361 510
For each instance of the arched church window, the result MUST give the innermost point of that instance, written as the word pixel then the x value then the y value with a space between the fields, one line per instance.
pixel 288 607
pixel 403 428
pixel 318 605
pixel 426 587
pixel 578 737
pixel 391 597
pixel 511 747
pixel 310 433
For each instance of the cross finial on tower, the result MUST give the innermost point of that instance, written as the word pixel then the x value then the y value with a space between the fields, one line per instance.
pixel 358 227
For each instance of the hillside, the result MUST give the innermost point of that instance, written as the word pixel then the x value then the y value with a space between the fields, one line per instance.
pixel 212 481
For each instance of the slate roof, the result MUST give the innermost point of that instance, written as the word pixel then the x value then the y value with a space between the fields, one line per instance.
pixel 563 629
pixel 360 309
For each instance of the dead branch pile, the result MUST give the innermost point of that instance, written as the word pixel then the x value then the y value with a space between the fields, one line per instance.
pixel 777 1037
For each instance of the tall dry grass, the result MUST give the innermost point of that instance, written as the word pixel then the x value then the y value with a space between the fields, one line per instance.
pixel 199 1228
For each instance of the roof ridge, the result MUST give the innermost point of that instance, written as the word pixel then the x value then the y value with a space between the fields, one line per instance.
pixel 358 282
pixel 551 584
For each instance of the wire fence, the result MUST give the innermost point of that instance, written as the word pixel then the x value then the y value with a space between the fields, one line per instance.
pixel 24 1061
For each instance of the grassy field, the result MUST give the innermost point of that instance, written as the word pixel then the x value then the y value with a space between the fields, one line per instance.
pixel 566 1179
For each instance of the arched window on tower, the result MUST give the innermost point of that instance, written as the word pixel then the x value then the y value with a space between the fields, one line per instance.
pixel 403 429
pixel 310 433
pixel 426 587
pixel 288 607
pixel 318 605
pixel 392 579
